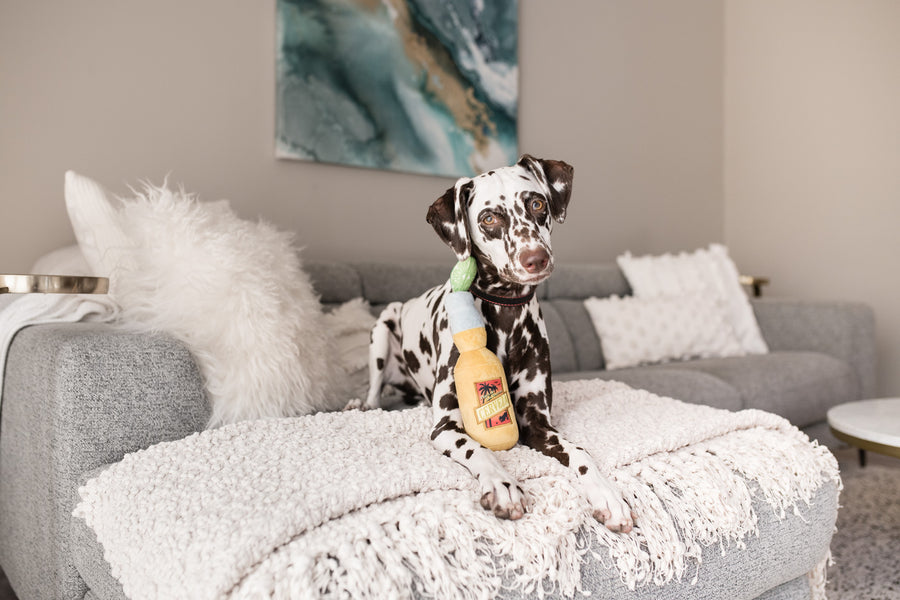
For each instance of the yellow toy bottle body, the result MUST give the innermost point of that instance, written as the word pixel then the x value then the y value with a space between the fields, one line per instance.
pixel 484 401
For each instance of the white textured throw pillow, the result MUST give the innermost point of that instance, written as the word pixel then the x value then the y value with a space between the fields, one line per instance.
pixel 232 290
pixel 708 271
pixel 636 331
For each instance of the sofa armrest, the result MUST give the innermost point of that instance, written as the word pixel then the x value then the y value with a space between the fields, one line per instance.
pixel 77 396
pixel 845 330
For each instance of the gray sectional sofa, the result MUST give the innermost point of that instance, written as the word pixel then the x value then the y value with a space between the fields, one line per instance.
pixel 821 353
pixel 80 396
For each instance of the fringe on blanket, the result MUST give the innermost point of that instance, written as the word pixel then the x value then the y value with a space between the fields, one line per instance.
pixel 698 496
pixel 818 577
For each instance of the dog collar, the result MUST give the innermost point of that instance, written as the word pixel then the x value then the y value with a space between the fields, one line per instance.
pixel 500 300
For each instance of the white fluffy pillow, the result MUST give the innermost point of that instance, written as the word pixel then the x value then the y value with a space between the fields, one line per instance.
pixel 232 290
pixel 707 271
pixel 636 331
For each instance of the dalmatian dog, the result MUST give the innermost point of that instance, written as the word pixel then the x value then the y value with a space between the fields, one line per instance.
pixel 503 218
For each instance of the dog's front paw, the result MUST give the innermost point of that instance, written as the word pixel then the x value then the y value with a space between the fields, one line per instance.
pixel 608 506
pixel 504 498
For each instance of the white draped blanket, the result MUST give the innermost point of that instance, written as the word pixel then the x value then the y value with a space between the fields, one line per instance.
pixel 361 504
pixel 19 311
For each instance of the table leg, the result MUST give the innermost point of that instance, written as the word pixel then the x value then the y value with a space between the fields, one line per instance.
pixel 862 457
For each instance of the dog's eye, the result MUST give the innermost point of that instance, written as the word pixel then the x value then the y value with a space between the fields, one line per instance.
pixel 537 205
pixel 488 220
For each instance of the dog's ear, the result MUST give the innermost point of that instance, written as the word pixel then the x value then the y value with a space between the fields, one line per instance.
pixel 557 176
pixel 448 217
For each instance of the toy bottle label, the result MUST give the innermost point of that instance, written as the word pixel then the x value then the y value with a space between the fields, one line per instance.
pixel 494 403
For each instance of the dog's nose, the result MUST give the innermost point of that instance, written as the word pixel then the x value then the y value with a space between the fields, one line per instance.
pixel 535 261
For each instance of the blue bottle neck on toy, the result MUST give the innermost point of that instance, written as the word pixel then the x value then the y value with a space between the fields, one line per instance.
pixel 462 312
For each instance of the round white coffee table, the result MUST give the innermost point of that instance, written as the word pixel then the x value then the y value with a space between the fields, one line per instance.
pixel 869 425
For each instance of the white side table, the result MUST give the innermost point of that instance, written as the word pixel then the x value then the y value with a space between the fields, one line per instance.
pixel 868 425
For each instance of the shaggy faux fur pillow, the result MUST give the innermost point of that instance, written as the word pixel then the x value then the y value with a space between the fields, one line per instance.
pixel 232 290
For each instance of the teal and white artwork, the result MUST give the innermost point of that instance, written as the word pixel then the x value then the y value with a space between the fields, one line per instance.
pixel 422 86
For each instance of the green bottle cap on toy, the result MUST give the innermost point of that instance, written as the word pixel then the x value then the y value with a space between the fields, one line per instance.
pixel 463 274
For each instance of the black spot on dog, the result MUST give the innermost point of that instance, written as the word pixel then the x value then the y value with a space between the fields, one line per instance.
pixel 412 361
pixel 391 324
pixel 410 393
pixel 424 346
pixel 469 453
pixel 460 442
pixel 582 469
pixel 558 453
pixel 538 438
pixel 446 453
pixel 436 338
pixel 380 364
pixel 446 424
pixel 448 402
pixel 533 408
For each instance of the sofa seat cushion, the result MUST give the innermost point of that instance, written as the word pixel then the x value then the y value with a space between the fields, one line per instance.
pixel 799 386
pixel 695 387
pixel 773 564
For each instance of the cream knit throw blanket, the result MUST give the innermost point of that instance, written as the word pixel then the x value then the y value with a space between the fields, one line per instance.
pixel 356 504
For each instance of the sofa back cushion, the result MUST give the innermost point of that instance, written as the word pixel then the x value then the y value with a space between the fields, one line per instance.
pixel 574 345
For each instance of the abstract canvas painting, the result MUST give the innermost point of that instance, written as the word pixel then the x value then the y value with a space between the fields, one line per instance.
pixel 422 86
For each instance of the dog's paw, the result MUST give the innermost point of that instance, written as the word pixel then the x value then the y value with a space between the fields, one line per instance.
pixel 504 498
pixel 355 404
pixel 607 504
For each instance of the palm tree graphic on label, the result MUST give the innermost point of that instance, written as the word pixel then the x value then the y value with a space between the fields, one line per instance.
pixel 487 391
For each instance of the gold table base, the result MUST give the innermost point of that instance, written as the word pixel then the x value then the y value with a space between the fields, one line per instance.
pixel 866 444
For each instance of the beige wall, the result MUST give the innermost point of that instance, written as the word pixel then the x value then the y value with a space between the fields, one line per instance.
pixel 628 92
pixel 805 141
pixel 812 153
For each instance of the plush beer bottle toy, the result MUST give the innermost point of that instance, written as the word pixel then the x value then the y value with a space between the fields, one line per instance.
pixel 484 400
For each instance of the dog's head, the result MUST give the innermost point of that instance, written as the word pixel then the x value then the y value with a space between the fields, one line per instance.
pixel 504 217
